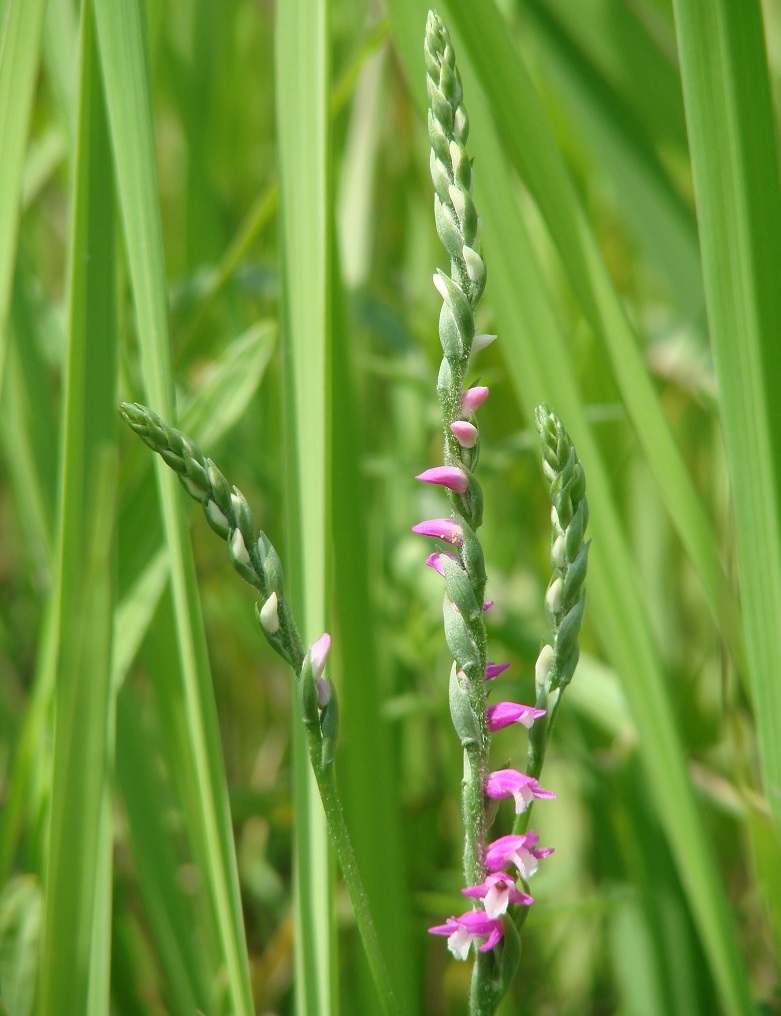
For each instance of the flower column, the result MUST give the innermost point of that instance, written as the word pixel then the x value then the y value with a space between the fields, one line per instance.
pixel 462 567
pixel 461 289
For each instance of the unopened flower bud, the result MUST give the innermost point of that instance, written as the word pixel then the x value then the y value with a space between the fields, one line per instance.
pixel 238 548
pixel 269 614
pixel 473 398
pixel 543 668
pixel 475 267
pixel 465 433
pixel 443 529
pixel 452 477
pixel 479 342
pixel 554 595
pixel 318 655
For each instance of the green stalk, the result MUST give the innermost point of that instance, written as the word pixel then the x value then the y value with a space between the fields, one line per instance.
pixel 257 562
pixel 565 600
pixel 457 226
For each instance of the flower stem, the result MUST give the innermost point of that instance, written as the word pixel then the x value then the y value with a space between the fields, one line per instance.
pixel 256 560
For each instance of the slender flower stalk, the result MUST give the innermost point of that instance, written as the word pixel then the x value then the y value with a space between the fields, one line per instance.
pixel 565 600
pixel 488 882
pixel 255 559
pixel 457 225
pixel 462 568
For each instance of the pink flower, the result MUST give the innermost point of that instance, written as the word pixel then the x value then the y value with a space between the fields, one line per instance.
pixel 497 892
pixel 511 783
pixel 465 433
pixel 443 529
pixel 318 655
pixel 462 931
pixel 446 476
pixel 433 560
pixel 493 670
pixel 505 713
pixel 473 398
pixel 522 851
pixel 488 604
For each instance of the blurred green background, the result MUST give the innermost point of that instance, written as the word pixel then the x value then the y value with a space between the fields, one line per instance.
pixel 224 211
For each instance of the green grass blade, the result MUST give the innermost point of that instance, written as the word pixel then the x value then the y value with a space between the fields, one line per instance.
pixel 735 164
pixel 302 90
pixel 19 54
pixel 622 144
pixel 123 59
pixel 29 432
pixel 370 793
pixel 169 917
pixel 74 971
pixel 20 916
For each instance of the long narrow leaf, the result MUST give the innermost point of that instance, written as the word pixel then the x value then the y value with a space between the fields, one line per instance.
pixel 123 59
pixel 302 90
pixel 75 952
pixel 19 53
pixel 732 135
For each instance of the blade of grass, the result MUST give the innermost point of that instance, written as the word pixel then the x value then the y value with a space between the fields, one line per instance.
pixel 302 87
pixel 75 954
pixel 621 144
pixel 169 916
pixel 123 59
pixel 265 206
pixel 735 165
pixel 371 793
pixel 19 55
pixel 29 432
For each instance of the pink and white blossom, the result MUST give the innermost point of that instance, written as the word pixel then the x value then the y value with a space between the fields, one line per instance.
pixel 463 930
pixel 511 783
pixel 521 851
pixel 504 713
pixel 497 892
